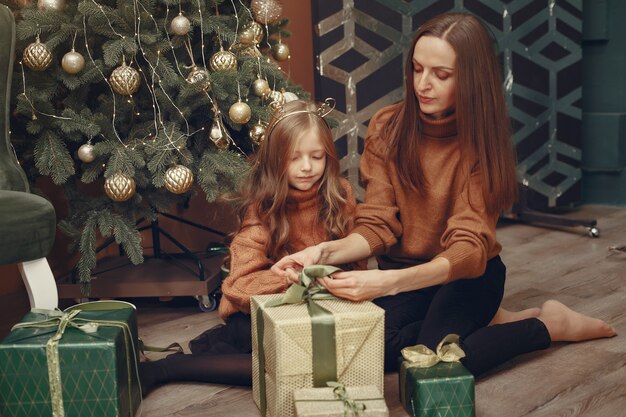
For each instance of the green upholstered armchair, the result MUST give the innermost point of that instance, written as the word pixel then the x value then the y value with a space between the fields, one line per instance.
pixel 27 221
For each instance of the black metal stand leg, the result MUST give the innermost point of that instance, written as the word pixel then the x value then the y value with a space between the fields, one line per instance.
pixel 522 213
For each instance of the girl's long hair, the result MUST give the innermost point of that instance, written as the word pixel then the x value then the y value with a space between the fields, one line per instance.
pixel 266 187
pixel 482 120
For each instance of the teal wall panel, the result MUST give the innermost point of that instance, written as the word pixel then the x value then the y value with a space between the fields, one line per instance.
pixel 604 102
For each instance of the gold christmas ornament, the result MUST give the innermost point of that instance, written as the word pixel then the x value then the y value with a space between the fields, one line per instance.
pixel 180 25
pixel 217 136
pixel 260 87
pixel 119 187
pixel 73 62
pixel 289 96
pixel 266 11
pixel 125 80
pixel 246 36
pixel 199 76
pixel 86 153
pixel 257 31
pixel 256 133
pixel 51 5
pixel 178 179
pixel 240 113
pixel 37 56
pixel 243 50
pixel 223 60
pixel 280 52
pixel 276 97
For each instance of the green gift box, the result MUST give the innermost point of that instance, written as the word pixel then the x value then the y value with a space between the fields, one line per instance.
pixel 340 401
pixel 436 384
pixel 92 370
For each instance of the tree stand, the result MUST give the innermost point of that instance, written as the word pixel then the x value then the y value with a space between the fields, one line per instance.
pixel 523 214
pixel 162 274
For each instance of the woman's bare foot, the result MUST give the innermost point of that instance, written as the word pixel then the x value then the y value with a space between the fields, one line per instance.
pixel 506 316
pixel 566 325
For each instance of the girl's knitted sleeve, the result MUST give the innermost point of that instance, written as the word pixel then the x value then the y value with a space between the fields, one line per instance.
pixel 249 270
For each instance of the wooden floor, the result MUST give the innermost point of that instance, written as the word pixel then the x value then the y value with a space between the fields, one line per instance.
pixel 580 379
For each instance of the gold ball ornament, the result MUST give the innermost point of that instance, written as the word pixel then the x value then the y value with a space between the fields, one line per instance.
pixel 276 98
pixel 223 61
pixel 280 52
pixel 119 187
pixel 73 62
pixel 51 5
pixel 86 153
pixel 256 133
pixel 266 11
pixel 178 179
pixel 201 76
pixel 289 96
pixel 125 80
pixel 218 137
pixel 37 56
pixel 246 36
pixel 257 31
pixel 261 87
pixel 240 113
pixel 180 25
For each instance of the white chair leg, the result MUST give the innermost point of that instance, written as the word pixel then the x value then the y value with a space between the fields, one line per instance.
pixel 40 284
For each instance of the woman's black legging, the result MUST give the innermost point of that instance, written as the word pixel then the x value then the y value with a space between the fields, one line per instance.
pixel 464 307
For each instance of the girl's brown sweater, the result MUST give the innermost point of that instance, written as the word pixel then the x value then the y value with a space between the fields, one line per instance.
pixel 249 264
pixel 409 228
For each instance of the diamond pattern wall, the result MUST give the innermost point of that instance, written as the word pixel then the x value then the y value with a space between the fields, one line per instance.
pixel 361 46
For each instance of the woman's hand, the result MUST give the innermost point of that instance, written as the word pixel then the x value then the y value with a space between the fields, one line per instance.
pixel 358 285
pixel 290 265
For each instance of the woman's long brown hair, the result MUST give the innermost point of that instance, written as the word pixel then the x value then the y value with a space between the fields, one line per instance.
pixel 266 186
pixel 482 120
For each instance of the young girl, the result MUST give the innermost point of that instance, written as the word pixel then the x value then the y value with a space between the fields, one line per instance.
pixel 439 168
pixel 292 198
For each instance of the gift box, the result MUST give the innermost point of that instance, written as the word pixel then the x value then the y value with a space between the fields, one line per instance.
pixel 340 401
pixel 438 386
pixel 290 351
pixel 81 362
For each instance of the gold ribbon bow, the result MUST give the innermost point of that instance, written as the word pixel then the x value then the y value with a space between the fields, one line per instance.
pixel 448 350
pixel 350 406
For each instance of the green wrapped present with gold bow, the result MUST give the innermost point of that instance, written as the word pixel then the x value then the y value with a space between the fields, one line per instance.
pixel 306 337
pixel 336 400
pixel 77 362
pixel 435 384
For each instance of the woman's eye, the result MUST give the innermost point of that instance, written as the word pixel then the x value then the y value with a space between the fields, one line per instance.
pixel 443 75
pixel 417 70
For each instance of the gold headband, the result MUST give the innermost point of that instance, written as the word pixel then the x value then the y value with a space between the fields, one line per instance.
pixel 324 109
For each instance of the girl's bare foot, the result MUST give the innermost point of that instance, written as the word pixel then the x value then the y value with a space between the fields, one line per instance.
pixel 566 325
pixel 506 316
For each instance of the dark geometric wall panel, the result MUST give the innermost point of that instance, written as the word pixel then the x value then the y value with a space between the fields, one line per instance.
pixel 361 47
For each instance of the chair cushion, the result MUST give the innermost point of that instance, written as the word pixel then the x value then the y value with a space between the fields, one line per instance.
pixel 27 227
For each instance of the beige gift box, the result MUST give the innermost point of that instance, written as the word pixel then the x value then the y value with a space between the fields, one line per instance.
pixel 322 402
pixel 287 345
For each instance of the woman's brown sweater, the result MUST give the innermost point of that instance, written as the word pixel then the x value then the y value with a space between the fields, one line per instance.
pixel 249 263
pixel 409 228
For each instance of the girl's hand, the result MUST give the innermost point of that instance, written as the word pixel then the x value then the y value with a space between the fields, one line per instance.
pixel 357 285
pixel 290 265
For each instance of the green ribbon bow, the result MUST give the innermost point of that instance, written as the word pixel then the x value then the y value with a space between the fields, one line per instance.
pixel 350 406
pixel 322 326
pixel 61 320
pixel 420 356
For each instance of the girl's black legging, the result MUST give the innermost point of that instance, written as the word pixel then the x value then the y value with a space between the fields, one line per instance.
pixel 464 307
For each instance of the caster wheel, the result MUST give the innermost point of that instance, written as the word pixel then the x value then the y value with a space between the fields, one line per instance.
pixel 593 231
pixel 207 303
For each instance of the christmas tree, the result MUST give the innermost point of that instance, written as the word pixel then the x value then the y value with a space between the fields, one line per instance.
pixel 143 98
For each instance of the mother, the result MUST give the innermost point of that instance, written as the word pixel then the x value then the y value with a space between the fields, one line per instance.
pixel 438 169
